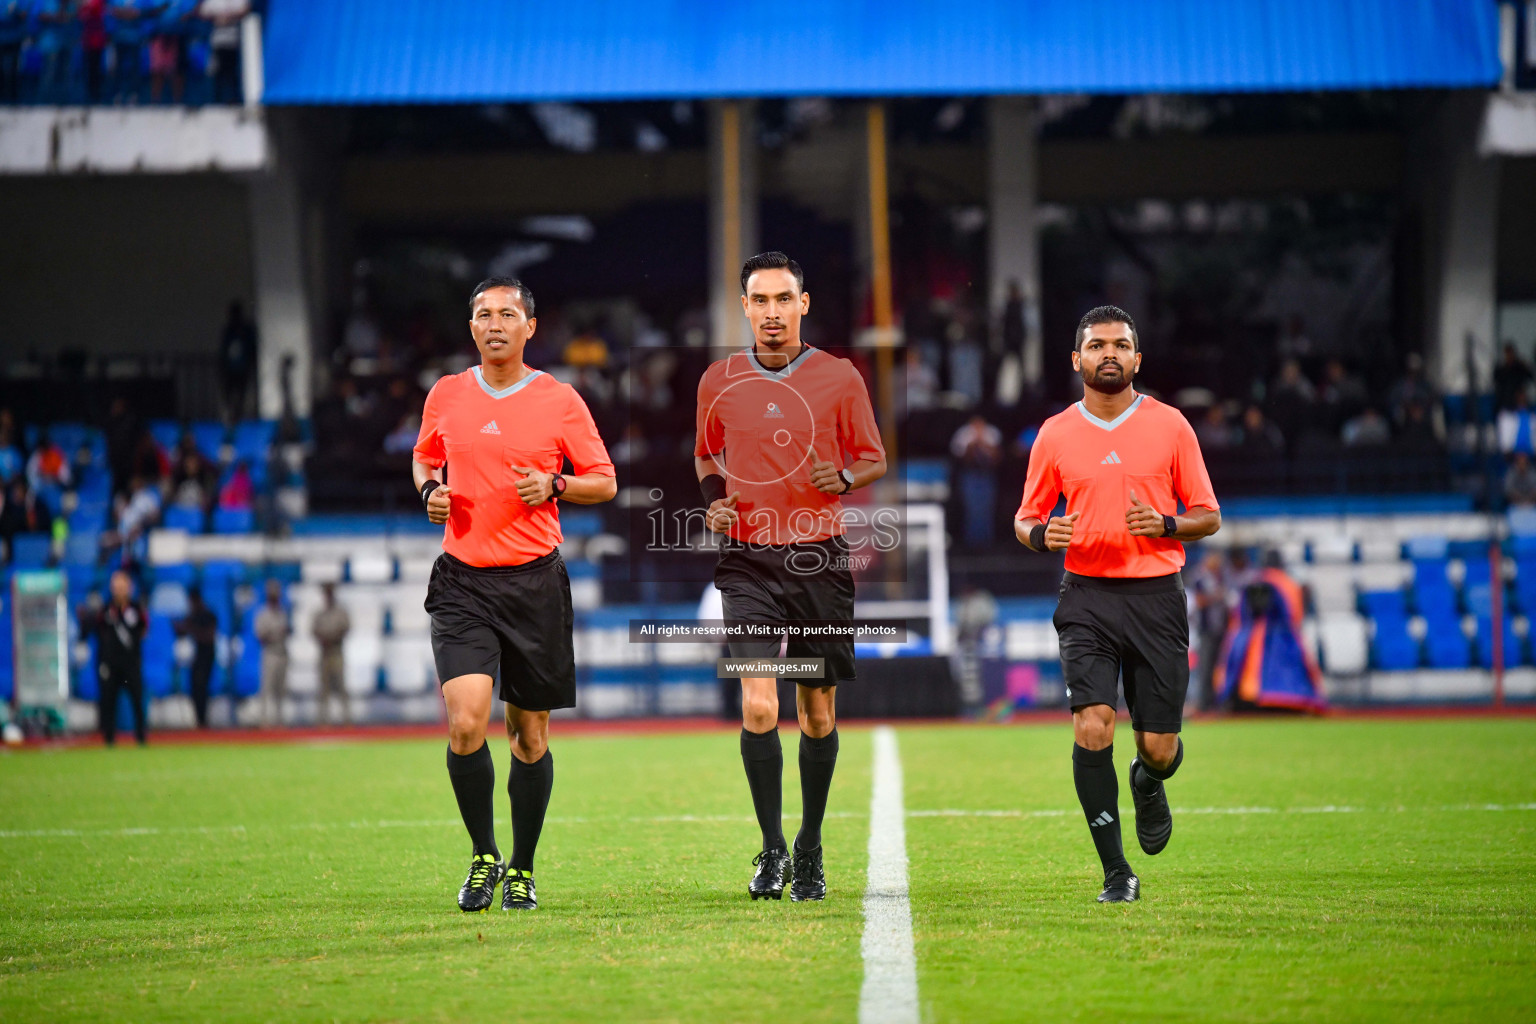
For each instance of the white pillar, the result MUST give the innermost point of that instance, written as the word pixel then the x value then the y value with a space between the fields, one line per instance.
pixel 733 201
pixel 1013 243
pixel 284 326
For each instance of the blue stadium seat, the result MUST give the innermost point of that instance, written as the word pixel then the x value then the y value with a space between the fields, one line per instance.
pixel 210 436
pixel 87 684
pixel 1514 650
pixel 31 550
pixel 1432 591
pixel 184 573
pixel 1445 646
pixel 82 548
pixel 1392 646
pixel 234 520
pixel 95 488
pixel 167 433
pixel 81 580
pixel 252 439
pixel 89 516
pixel 7 661
pixel 179 517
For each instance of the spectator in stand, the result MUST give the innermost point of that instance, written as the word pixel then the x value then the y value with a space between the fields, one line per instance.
pixel 238 492
pixel 331 626
pixel 48 468
pixel 1416 432
pixel 21 511
pixel 12 464
pixel 1369 429
pixel 1410 387
pixel 194 483
pixel 977 446
pixel 48 27
pixel 237 360
pixel 1260 438
pixel 271 628
pixel 1343 395
pixel 226 16
pixel 135 516
pixel 130 23
pixel 1511 378
pixel 201 626
pixel 168 50
pixel 1214 432
pixel 1520 481
pixel 920 384
pixel 1013 319
pixel 119 629
pixel 1292 400
pixel 93 46
pixel 1213 607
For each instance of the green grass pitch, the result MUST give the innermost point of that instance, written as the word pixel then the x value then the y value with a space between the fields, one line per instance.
pixel 1319 870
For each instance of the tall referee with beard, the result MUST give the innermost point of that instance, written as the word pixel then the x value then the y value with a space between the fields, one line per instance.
pixel 499 596
pixel 1122 460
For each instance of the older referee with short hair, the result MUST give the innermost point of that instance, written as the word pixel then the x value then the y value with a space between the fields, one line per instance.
pixel 499 596
pixel 1123 460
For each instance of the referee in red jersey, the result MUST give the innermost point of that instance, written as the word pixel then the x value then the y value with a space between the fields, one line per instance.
pixel 499 596
pixel 1123 461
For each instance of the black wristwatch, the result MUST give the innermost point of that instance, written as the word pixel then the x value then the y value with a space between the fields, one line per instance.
pixel 847 475
pixel 557 484
pixel 1170 526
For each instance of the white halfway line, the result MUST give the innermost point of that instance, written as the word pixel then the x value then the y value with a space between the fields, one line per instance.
pixel 889 993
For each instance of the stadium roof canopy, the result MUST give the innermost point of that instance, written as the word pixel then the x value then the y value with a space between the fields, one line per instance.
pixel 474 51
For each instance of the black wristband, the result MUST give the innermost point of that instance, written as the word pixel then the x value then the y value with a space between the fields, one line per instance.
pixel 1037 537
pixel 713 488
pixel 427 489
pixel 1170 526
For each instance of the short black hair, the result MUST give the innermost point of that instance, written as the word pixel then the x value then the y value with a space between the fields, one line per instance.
pixel 771 261
pixel 1104 315
pixel 523 292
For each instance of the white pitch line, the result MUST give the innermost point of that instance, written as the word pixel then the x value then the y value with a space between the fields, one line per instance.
pixel 889 994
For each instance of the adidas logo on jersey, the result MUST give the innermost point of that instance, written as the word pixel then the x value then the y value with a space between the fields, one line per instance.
pixel 1110 460
pixel 1101 820
pixel 490 428
pixel 773 412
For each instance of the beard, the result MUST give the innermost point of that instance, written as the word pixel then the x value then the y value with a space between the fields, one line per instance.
pixel 1110 385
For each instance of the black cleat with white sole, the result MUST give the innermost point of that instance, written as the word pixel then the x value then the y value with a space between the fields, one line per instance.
pixel 485 870
pixel 1122 887
pixel 1154 821
pixel 773 873
pixel 517 893
pixel 810 881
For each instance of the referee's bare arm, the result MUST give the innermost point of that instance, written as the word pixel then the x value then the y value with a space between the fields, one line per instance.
pixel 437 501
pixel 1196 523
pixel 1058 532
pixel 721 514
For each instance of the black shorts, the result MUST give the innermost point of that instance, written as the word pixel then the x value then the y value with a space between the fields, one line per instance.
pixel 1138 627
pixel 771 583
pixel 514 619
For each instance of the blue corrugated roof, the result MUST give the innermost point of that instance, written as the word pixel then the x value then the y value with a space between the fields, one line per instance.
pixel 461 51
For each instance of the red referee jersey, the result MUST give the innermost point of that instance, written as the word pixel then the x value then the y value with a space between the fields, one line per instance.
pixel 761 424
pixel 1149 449
pixel 482 434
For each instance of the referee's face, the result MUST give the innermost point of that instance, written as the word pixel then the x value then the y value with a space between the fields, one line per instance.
pixel 500 325
pixel 1107 358
pixel 774 305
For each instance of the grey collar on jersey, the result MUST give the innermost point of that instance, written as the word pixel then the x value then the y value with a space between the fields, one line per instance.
pixel 783 371
pixel 510 389
pixel 1110 424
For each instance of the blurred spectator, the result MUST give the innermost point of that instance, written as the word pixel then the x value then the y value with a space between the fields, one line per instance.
pixel 201 626
pixel 1213 606
pixel 225 42
pixel 130 24
pixel 975 612
pixel 238 491
pixel 194 484
pixel 966 360
pixel 586 350
pixel 135 516
pixel 977 447
pixel 21 511
pixel 920 383
pixel 1013 319
pixel 168 58
pixel 1291 400
pixel 1511 378
pixel 1213 430
pixel 123 432
pixel 1410 387
pixel 50 56
pixel 1369 428
pixel 48 468
pixel 119 629
pixel 13 29
pixel 272 629
pixel 403 438
pixel 361 339
pixel 1514 426
pixel 1343 395
pixel 1259 437
pixel 93 46
pixel 237 360
pixel 1293 341
pixel 331 626
pixel 1520 481
pixel 11 461
pixel 1417 432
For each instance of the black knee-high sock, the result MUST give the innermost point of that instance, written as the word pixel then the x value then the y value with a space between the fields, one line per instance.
pixel 1099 792
pixel 474 784
pixel 763 758
pixel 528 786
pixel 1148 777
pixel 818 759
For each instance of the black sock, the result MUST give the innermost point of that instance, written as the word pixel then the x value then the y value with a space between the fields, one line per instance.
pixel 528 786
pixel 1149 776
pixel 474 784
pixel 1098 791
pixel 818 759
pixel 763 758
